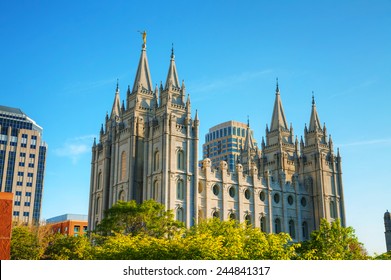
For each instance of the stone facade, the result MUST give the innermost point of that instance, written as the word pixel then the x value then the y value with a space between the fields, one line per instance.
pixel 148 149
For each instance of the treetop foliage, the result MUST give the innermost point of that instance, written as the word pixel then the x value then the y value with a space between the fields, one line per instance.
pixel 147 231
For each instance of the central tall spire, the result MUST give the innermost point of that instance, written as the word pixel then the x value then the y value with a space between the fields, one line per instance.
pixel 278 118
pixel 172 76
pixel 143 76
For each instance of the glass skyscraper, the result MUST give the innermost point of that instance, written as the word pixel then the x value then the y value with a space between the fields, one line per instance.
pixel 22 163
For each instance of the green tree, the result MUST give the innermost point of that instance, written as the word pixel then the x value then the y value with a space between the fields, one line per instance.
pixel 384 256
pixel 63 247
pixel 130 218
pixel 25 244
pixel 332 242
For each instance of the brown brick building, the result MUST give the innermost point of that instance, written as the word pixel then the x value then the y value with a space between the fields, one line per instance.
pixel 69 224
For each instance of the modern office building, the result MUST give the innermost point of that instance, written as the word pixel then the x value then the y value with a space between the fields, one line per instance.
pixel 69 224
pixel 226 141
pixel 148 149
pixel 22 163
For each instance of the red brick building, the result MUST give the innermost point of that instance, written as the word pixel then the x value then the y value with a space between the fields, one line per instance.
pixel 69 224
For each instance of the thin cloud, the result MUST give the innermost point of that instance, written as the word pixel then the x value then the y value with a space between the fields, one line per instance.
pixel 385 141
pixel 226 82
pixel 75 148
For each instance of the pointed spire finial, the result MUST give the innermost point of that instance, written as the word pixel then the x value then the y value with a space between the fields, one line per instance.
pixel 277 89
pixel 117 89
pixel 313 98
pixel 172 51
pixel 248 121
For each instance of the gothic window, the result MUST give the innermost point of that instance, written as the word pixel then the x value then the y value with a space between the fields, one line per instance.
pixel 179 214
pixel 180 160
pixel 262 196
pixel 155 190
pixel 247 194
pixel 290 200
pixel 232 216
pixel 99 183
pixel 292 231
pixel 303 202
pixel 121 195
pixel 123 166
pixel 263 224
pixel 231 192
pixel 179 190
pixel 216 214
pixel 247 218
pixel 216 190
pixel 305 230
pixel 276 198
pixel 333 213
pixel 156 161
pixel 97 206
pixel 277 225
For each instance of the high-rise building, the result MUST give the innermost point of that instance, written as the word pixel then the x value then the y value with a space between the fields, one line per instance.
pixel 387 225
pixel 22 163
pixel 225 141
pixel 148 149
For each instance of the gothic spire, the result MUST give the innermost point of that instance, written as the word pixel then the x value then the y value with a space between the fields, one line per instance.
pixel 278 118
pixel 172 76
pixel 314 120
pixel 143 76
pixel 116 109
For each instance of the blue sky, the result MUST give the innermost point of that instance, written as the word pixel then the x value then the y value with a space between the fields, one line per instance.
pixel 60 60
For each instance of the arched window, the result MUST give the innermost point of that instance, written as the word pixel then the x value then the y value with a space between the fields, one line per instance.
pixel 123 166
pixel 232 216
pixel 99 182
pixel 216 214
pixel 247 218
pixel 179 190
pixel 156 159
pixel 263 224
pixel 333 213
pixel 292 231
pixel 305 230
pixel 155 190
pixel 121 195
pixel 179 214
pixel 180 160
pixel 97 206
pixel 277 225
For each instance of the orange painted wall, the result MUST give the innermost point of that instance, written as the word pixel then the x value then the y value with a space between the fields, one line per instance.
pixel 5 224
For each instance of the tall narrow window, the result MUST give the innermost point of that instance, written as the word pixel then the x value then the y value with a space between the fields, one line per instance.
pixel 123 166
pixel 263 224
pixel 99 183
pixel 155 190
pixel 277 225
pixel 179 214
pixel 305 230
pixel 332 210
pixel 179 190
pixel 156 161
pixel 121 195
pixel 292 231
pixel 247 218
pixel 180 160
pixel 97 206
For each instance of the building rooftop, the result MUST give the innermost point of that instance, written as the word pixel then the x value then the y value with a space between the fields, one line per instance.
pixel 15 117
pixel 67 217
